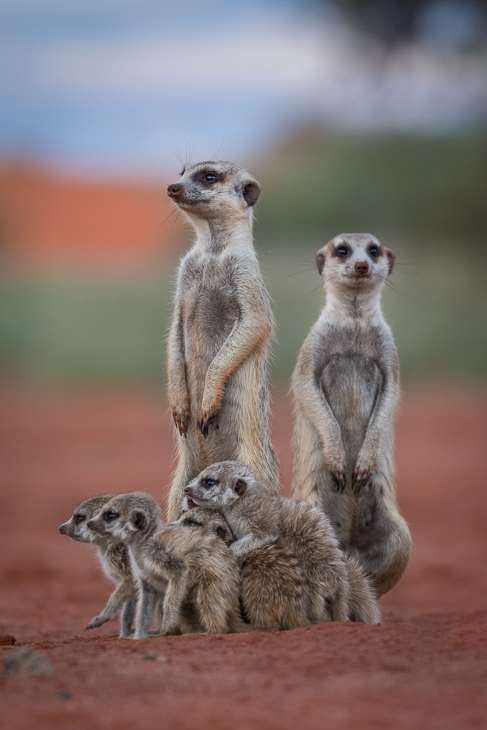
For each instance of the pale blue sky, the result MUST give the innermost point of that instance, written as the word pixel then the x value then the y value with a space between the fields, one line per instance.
pixel 116 86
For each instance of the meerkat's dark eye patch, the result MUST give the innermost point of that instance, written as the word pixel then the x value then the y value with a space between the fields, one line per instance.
pixel 207 483
pixel 110 516
pixel 341 251
pixel 374 250
pixel 208 177
pixel 191 523
pixel 79 518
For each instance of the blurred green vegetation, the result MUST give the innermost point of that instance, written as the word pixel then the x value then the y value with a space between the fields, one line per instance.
pixel 425 198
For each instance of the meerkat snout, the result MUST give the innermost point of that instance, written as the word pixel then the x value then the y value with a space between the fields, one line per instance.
pixel 361 268
pixel 173 190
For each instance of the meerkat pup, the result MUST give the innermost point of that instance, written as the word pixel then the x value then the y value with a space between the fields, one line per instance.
pixel 275 591
pixel 219 337
pixel 114 558
pixel 346 387
pixel 192 571
pixel 258 520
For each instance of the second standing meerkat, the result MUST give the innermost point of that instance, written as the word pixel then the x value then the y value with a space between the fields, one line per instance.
pixel 219 337
pixel 346 387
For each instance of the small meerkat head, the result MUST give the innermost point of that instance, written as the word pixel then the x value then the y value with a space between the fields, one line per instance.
pixel 76 527
pixel 211 189
pixel 221 484
pixel 205 519
pixel 356 261
pixel 127 517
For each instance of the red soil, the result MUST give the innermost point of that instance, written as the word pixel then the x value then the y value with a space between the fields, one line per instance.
pixel 425 666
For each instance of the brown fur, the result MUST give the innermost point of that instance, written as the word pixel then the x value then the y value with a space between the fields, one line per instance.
pixel 219 337
pixel 191 571
pixel 258 520
pixel 275 591
pixel 346 387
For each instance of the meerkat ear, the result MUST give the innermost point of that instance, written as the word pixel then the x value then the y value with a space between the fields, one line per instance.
pixel 138 520
pixel 391 258
pixel 221 532
pixel 320 261
pixel 251 191
pixel 240 487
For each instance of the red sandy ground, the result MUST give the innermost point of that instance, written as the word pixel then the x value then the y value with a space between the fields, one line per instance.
pixel 425 666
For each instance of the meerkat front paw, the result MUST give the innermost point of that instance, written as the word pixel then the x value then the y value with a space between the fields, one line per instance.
pixel 181 420
pixel 362 473
pixel 336 467
pixel 96 622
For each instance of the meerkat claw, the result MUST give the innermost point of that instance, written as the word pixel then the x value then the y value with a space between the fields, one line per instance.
pixel 359 480
pixel 181 423
pixel 339 480
pixel 205 423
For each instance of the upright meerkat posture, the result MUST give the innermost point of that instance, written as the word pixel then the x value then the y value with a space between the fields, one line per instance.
pixel 346 387
pixel 257 520
pixel 193 571
pixel 114 558
pixel 275 590
pixel 219 337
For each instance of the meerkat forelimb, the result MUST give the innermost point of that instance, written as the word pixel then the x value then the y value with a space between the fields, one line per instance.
pixel 346 388
pixel 257 520
pixel 219 338
pixel 114 559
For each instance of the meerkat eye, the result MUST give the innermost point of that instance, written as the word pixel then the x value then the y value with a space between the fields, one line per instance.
pixel 110 516
pixel 341 251
pixel 210 177
pixel 374 250
pixel 191 523
pixel 79 518
pixel 207 483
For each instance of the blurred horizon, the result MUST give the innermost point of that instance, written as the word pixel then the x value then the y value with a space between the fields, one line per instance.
pixel 352 115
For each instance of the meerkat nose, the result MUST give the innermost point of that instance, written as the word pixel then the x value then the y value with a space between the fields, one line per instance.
pixel 361 268
pixel 187 490
pixel 61 529
pixel 91 525
pixel 174 190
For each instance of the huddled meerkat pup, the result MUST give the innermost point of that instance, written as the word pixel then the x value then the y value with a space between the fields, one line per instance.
pixel 346 387
pixel 193 571
pixel 219 337
pixel 275 591
pixel 258 520
pixel 114 558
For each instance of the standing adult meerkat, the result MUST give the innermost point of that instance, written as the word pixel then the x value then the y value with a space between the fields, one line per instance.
pixel 346 388
pixel 258 520
pixel 193 573
pixel 115 561
pixel 221 328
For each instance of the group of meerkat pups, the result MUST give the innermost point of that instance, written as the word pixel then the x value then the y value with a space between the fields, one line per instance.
pixel 233 554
